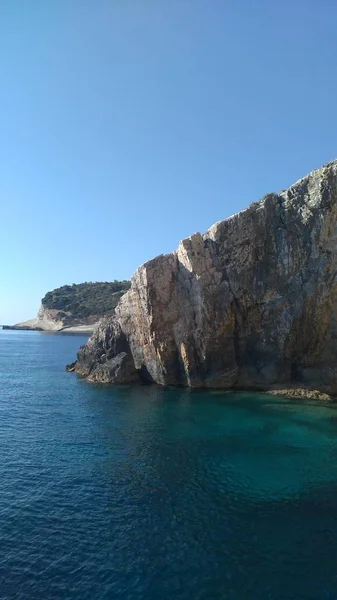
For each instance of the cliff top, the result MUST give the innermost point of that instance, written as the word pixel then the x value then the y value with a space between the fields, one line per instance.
pixel 304 193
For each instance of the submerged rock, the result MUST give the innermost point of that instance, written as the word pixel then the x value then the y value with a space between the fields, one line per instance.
pixel 252 303
pixel 298 393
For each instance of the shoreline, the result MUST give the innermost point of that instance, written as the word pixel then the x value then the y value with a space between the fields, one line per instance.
pixel 73 329
pixel 290 391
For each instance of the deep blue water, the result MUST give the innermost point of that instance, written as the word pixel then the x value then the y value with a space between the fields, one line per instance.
pixel 156 494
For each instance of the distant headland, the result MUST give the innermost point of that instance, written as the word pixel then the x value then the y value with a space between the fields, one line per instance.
pixel 75 308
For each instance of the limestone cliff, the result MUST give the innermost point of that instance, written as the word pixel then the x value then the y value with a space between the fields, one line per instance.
pixel 252 303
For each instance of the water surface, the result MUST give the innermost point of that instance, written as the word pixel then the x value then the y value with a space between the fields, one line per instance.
pixel 147 493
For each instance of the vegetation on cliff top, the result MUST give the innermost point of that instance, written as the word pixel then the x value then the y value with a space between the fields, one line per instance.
pixel 87 299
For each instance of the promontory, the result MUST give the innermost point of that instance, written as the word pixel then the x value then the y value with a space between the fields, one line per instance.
pixel 250 304
pixel 76 308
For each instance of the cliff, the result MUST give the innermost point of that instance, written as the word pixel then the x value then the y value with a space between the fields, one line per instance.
pixel 77 307
pixel 252 303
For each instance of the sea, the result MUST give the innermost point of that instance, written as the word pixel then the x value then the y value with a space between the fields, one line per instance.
pixel 145 493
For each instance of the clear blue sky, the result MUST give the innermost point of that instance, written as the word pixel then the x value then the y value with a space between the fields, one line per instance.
pixel 127 125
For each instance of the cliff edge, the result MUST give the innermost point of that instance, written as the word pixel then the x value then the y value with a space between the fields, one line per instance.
pixel 252 303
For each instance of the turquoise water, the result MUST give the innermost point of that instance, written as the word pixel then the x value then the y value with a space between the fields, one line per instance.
pixel 145 493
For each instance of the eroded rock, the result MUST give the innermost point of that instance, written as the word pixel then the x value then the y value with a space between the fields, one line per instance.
pixel 252 303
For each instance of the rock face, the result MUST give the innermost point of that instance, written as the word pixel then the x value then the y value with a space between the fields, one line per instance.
pixel 252 303
pixel 106 357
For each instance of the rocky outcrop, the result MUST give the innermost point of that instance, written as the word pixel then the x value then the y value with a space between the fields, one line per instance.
pixel 252 303
pixel 106 357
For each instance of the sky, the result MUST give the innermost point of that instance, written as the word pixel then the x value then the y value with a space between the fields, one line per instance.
pixel 127 125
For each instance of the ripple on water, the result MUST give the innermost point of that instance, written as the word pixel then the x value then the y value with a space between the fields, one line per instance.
pixel 146 493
